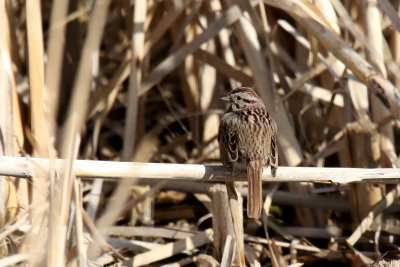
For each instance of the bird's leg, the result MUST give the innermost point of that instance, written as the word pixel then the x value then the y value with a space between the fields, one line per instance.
pixel 236 207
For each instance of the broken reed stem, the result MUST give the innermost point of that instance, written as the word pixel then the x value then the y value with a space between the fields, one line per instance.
pixel 221 219
pixel 385 203
pixel 229 249
pixel 14 259
pixel 80 247
pixel 265 214
pixel 282 244
pixel 170 249
pixel 25 168
pixel 235 206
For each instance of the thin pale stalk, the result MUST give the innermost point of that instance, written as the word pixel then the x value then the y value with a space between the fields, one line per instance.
pixel 135 78
pixel 367 221
pixel 40 127
pixel 55 47
pixel 310 19
pixel 24 168
pixel 175 59
pixel 236 208
pixel 79 224
pixel 75 119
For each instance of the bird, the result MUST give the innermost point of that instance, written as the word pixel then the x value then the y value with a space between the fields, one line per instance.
pixel 247 138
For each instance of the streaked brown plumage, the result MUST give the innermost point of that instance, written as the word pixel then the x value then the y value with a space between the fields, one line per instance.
pixel 248 139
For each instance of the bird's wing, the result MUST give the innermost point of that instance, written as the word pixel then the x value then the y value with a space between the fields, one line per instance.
pixel 227 139
pixel 274 148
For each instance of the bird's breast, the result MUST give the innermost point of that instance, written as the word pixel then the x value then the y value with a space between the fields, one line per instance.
pixel 253 138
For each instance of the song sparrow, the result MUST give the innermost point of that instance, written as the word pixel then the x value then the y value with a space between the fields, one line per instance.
pixel 247 138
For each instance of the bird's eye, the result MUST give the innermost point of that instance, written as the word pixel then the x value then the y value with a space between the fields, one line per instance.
pixel 239 98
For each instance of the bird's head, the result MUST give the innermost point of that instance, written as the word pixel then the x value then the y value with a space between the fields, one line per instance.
pixel 242 98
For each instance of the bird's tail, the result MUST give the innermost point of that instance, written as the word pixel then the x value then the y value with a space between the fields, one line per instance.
pixel 254 183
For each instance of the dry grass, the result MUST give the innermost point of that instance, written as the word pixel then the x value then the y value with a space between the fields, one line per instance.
pixel 109 81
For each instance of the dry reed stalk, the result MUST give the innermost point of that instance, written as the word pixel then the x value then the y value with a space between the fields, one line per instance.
pixel 367 221
pixel 135 246
pixel 303 78
pixel 94 201
pixel 323 95
pixel 391 13
pixel 221 222
pixel 363 134
pixel 229 249
pixel 50 82
pixel 227 50
pixel 175 59
pixel 190 81
pixel 205 200
pixel 22 167
pixel 327 10
pixel 36 239
pixel 10 125
pixel 37 85
pixel 359 96
pixel 144 210
pixel 114 84
pixel 375 35
pixel 122 191
pixel 206 260
pixel 309 217
pixel 69 142
pixel 14 259
pixel 170 16
pixel 14 225
pixel 311 232
pixel 112 213
pixel 392 263
pixel 266 207
pixel 171 249
pixel 251 256
pixel 55 48
pixel 95 234
pixel 236 211
pixel 282 244
pixel 353 28
pixel 394 47
pixel 279 197
pixel 311 20
pixel 180 263
pixel 146 231
pixel 131 118
pixel 207 86
pixel 101 118
pixel 318 99
pixel 80 247
pixel 222 67
pixel 12 35
pixel 279 231
pixel 138 37
pixel 308 46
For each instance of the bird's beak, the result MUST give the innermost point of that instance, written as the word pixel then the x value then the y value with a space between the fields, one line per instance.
pixel 225 98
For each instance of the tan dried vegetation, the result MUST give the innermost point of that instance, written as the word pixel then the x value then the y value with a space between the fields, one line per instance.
pixel 140 81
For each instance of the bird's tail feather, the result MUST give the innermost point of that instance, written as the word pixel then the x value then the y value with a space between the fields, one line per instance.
pixel 254 183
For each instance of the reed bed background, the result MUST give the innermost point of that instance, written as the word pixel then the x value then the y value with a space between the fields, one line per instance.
pixel 141 80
